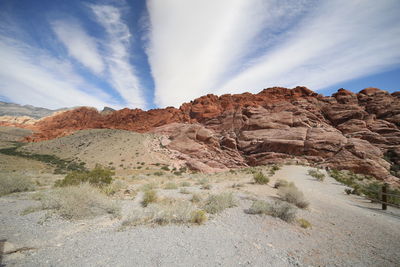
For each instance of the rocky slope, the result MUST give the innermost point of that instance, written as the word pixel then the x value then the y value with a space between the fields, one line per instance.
pixel 345 130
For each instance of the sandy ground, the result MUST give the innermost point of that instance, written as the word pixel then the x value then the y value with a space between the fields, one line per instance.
pixel 346 231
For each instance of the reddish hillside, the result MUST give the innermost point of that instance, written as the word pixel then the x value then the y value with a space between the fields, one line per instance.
pixel 346 130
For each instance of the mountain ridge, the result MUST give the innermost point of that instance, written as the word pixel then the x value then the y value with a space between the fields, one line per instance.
pixel 345 131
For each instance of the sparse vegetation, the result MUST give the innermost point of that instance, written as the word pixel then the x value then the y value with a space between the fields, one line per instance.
pixel 273 169
pixel 304 223
pixel 364 185
pixel 184 191
pixel 149 186
pixel 317 174
pixel 196 198
pixel 282 210
pixel 199 216
pixel 281 182
pixel 166 212
pixel 99 176
pixel 165 168
pixel 170 186
pixel 158 173
pixel 206 186
pixel 149 196
pixel 185 184
pixel 13 183
pixel 293 195
pixel 79 202
pixel 260 178
pixel 217 203
pixel 61 165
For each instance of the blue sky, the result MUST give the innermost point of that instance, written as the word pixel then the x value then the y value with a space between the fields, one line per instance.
pixel 148 54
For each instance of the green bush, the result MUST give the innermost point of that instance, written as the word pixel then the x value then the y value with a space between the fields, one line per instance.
pixel 13 183
pixel 217 203
pixel 317 174
pixel 165 168
pixel 149 196
pixel 260 178
pixel 99 176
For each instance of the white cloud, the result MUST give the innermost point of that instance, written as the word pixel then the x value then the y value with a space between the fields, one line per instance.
pixel 117 57
pixel 79 44
pixel 199 47
pixel 31 76
pixel 338 41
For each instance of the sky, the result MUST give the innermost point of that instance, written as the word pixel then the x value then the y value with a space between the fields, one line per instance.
pixel 159 53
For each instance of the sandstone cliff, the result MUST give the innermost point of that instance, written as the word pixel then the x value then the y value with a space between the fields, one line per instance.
pixel 345 130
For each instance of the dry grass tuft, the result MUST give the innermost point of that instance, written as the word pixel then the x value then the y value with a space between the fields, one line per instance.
pixel 304 223
pixel 13 183
pixel 278 209
pixel 217 203
pixel 293 195
pixel 149 196
pixel 169 211
pixel 79 202
pixel 260 178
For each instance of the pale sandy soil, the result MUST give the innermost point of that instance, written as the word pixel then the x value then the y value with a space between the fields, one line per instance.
pixel 346 231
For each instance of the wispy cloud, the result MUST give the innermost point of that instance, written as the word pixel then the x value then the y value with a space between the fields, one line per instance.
pixel 338 41
pixel 32 76
pixel 199 47
pixel 80 45
pixel 117 57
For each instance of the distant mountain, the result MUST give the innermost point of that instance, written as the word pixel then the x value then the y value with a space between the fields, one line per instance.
pixel 11 109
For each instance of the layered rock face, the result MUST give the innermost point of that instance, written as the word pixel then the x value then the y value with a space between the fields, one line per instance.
pixel 344 131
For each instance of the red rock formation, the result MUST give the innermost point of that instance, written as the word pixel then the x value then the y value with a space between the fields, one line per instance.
pixel 345 131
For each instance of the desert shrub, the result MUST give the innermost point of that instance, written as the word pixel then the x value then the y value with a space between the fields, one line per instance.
pixel 114 187
pixel 199 216
pixel 185 184
pixel 162 213
pixel 13 183
pixel 206 187
pixel 196 198
pixel 99 176
pixel 79 202
pixel 177 173
pixel 293 195
pixel 281 182
pixel 259 207
pixel 260 178
pixel 158 173
pixel 279 209
pixel 304 223
pixel 237 185
pixel 148 186
pixel 184 191
pixel 347 191
pixel 283 211
pixel 149 196
pixel 165 168
pixel 317 174
pixel 217 203
pixel 203 181
pixel 275 168
pixel 170 186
